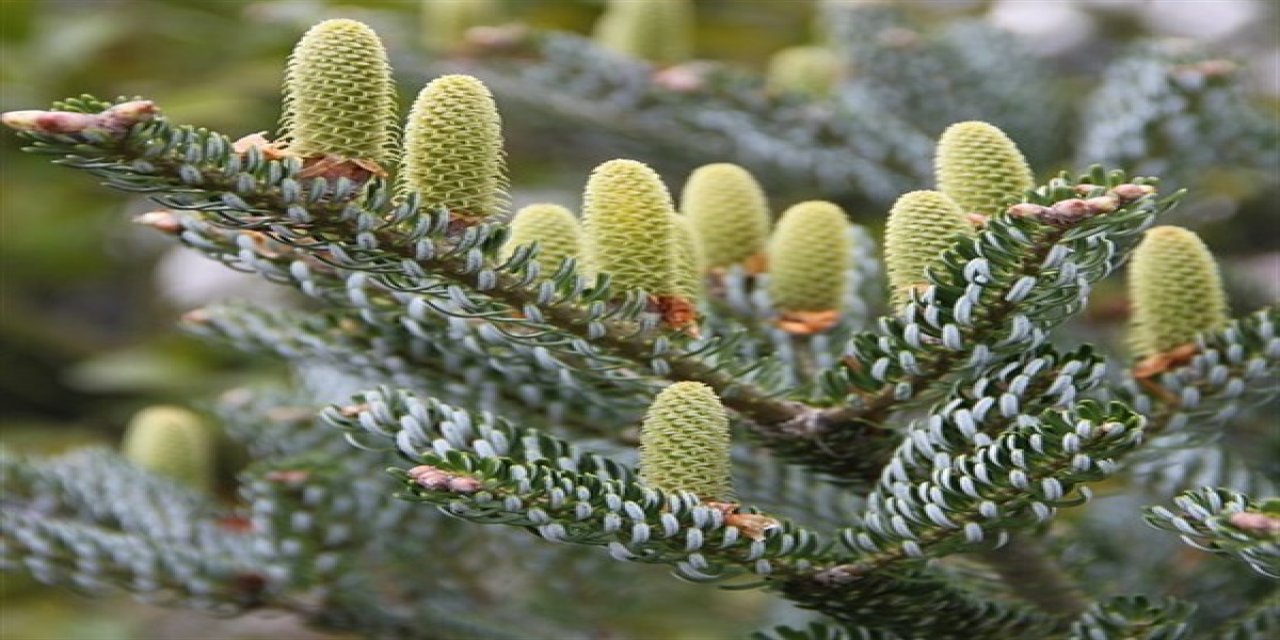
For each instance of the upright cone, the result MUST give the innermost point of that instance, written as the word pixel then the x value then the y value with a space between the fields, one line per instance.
pixel 660 31
pixel 809 257
pixel 684 443
pixel 922 224
pixel 453 157
pixel 980 168
pixel 1175 290
pixel 688 259
pixel 813 70
pixel 445 22
pixel 172 442
pixel 552 227
pixel 628 229
pixel 729 211
pixel 339 98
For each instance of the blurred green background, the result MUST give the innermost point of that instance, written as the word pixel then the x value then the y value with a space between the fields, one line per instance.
pixel 88 301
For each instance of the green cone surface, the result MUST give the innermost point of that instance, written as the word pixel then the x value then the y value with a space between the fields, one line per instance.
pixel 729 211
pixel 453 154
pixel 445 22
pixel 552 227
pixel 1175 290
pixel 655 30
pixel 980 168
pixel 688 261
pixel 808 258
pixel 339 98
pixel 626 216
pixel 172 442
pixel 684 443
pixel 921 225
pixel 809 69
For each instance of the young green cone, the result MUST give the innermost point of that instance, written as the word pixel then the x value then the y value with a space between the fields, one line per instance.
pixel 689 262
pixel 684 443
pixel 626 217
pixel 445 22
pixel 808 69
pixel 1175 290
pixel 729 212
pixel 172 442
pixel 552 227
pixel 660 31
pixel 922 224
pixel 808 260
pixel 339 98
pixel 453 156
pixel 980 168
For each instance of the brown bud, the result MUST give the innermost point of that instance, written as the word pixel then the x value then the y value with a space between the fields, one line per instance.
pixel 163 220
pixel 1159 363
pixel 414 472
pixel 683 78
pixel 507 37
pixel 437 479
pixel 353 410
pixel 678 313
pixel 804 323
pixel 126 114
pixel 432 479
pixel 1129 192
pixel 287 476
pixel 56 122
pixel 334 167
pixel 196 316
pixel 976 219
pixel 1103 204
pixel 752 525
pixel 464 485
pixel 1067 212
pixel 234 524
pixel 1026 210
pixel 1255 523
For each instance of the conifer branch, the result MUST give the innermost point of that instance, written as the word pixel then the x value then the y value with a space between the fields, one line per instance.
pixel 199 171
pixel 1226 522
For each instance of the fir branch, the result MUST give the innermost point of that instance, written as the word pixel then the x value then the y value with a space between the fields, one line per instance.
pixel 984 72
pixel 1134 617
pixel 914 604
pixel 823 631
pixel 1018 480
pixel 993 296
pixel 973 415
pixel 417 349
pixel 1026 569
pixel 429 269
pixel 1167 471
pixel 55 487
pixel 1226 522
pixel 485 470
pixel 1227 371
pixel 127 529
pixel 1260 620
pixel 1168 109
pixel 446 360
pixel 990 300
